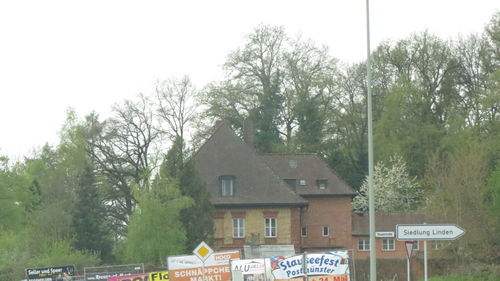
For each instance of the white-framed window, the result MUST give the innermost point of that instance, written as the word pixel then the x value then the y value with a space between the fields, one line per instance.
pixel 271 227
pixel 238 227
pixel 325 231
pixel 226 186
pixel 363 244
pixel 388 245
pixel 303 231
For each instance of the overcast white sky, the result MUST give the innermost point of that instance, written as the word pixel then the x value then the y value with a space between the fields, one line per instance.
pixel 88 55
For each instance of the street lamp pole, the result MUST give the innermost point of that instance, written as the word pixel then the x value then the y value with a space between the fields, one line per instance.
pixel 371 201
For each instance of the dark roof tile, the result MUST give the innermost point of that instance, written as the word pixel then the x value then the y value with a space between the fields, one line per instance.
pixel 224 153
pixel 309 168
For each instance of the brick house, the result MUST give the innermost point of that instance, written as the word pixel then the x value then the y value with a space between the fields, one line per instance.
pixel 326 220
pixel 283 199
pixel 252 204
pixel 385 237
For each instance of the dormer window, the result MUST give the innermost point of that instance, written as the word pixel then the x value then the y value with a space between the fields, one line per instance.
pixel 322 184
pixel 226 186
pixel 291 182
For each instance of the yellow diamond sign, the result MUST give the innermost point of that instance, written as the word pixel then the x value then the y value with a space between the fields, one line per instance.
pixel 203 251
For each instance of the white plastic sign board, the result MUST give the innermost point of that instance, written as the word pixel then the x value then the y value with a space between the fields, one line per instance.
pixel 190 268
pixel 413 232
pixel 384 234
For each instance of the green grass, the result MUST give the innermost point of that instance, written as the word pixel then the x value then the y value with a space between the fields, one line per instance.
pixel 466 277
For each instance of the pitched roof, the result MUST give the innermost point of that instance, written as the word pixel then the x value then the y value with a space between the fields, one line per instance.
pixel 306 169
pixel 224 153
pixel 384 221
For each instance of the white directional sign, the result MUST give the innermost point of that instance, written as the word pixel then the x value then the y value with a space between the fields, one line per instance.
pixel 411 232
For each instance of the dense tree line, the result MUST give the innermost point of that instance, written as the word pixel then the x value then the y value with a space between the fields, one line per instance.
pixel 90 199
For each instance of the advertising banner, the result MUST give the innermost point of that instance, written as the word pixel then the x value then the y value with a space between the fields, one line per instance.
pixel 103 273
pixel 159 276
pixel 49 273
pixel 191 268
pixel 317 264
pixel 103 276
pixel 253 269
pixel 341 277
pixel 133 277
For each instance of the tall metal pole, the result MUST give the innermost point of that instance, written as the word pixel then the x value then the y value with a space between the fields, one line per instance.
pixel 408 269
pixel 425 260
pixel 371 201
pixel 304 265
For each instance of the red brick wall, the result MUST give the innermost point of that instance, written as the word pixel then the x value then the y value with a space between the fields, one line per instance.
pixel 399 251
pixel 334 212
pixel 295 229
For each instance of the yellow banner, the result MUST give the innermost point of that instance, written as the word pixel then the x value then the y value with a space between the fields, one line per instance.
pixel 158 276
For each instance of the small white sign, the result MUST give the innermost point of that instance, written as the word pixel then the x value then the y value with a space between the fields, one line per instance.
pixel 410 232
pixel 384 234
pixel 252 266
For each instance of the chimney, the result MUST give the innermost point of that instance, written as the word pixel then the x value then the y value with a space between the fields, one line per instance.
pixel 248 132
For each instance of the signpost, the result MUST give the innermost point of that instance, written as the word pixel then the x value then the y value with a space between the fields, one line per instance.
pixel 412 232
pixel 409 250
pixel 203 251
pixel 416 232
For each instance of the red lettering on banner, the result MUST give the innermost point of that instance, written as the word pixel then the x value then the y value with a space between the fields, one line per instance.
pixel 340 278
pixel 222 257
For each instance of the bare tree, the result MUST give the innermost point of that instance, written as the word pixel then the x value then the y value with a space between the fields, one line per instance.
pixel 253 87
pixel 121 148
pixel 176 106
